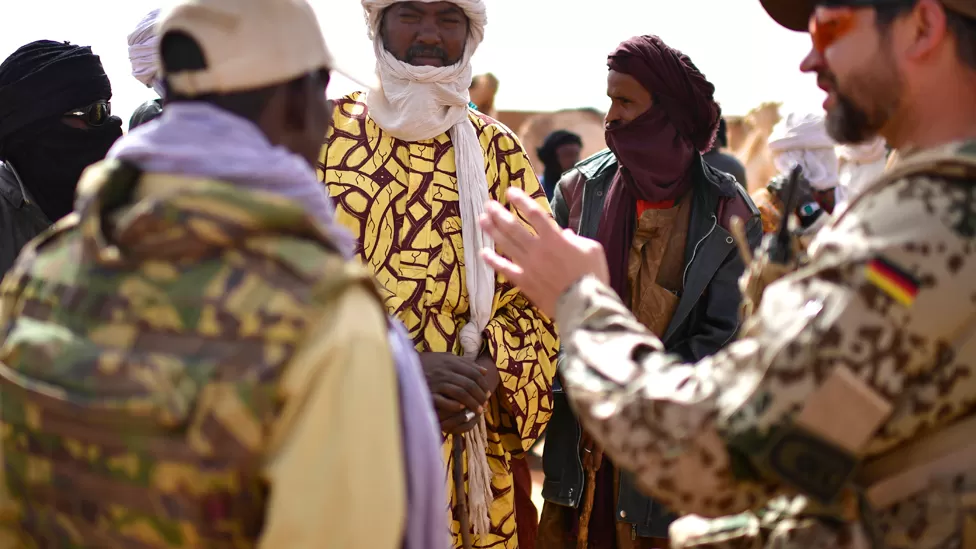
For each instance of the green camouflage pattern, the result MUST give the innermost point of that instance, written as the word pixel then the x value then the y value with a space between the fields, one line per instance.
pixel 143 339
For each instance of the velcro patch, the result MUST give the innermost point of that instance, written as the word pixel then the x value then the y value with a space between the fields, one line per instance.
pixel 814 466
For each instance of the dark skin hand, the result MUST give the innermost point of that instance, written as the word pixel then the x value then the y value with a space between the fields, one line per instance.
pixel 459 385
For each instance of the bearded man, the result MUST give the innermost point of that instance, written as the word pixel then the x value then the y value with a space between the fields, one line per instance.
pixel 846 407
pixel 55 120
pixel 409 168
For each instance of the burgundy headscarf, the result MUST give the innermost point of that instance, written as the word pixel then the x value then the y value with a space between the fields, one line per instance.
pixel 654 151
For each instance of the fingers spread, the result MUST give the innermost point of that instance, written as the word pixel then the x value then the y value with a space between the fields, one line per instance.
pixel 540 220
pixel 509 235
pixel 501 265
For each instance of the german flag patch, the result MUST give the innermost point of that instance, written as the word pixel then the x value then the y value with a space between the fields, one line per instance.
pixel 890 279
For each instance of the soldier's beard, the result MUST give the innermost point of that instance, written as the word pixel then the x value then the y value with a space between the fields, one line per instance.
pixel 855 121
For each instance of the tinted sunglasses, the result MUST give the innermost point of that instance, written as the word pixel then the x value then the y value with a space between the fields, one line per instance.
pixel 95 114
pixel 833 19
pixel 830 24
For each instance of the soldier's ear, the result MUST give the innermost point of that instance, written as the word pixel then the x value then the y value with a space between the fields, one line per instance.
pixel 923 30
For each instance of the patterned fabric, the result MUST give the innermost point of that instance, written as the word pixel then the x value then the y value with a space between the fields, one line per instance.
pixel 140 364
pixel 697 435
pixel 400 200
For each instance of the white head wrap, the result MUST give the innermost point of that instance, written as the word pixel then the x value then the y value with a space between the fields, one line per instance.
pixel 802 139
pixel 860 165
pixel 414 103
pixel 144 52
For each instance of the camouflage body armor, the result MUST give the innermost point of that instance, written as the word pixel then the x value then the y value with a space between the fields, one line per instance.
pixel 144 337
pixel 837 489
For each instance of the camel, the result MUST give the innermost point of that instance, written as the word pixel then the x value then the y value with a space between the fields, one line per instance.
pixel 748 138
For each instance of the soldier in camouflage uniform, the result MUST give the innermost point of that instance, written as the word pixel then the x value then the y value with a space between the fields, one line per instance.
pixel 190 359
pixel 843 416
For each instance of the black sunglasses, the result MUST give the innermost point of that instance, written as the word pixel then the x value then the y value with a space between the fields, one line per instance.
pixel 95 114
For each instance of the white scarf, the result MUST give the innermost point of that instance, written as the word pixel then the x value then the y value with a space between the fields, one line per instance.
pixel 862 164
pixel 144 54
pixel 802 139
pixel 415 103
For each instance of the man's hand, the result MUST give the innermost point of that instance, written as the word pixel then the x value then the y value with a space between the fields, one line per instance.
pixel 460 388
pixel 545 264
pixel 492 378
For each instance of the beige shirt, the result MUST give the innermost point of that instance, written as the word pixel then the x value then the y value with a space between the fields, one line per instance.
pixel 334 466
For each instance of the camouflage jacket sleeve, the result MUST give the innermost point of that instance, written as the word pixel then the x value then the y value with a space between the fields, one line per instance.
pixel 334 465
pixel 890 287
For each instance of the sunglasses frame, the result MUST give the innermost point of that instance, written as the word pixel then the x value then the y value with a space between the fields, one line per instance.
pixel 85 113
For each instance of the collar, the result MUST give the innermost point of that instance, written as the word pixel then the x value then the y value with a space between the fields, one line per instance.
pixel 166 212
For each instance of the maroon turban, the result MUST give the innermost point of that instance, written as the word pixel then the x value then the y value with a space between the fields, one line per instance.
pixel 678 87
pixel 655 151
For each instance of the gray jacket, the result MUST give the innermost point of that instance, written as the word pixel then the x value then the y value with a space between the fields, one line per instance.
pixel 705 320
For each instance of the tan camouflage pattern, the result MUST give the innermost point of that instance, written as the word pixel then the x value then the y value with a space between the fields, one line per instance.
pixel 671 423
pixel 759 274
pixel 143 338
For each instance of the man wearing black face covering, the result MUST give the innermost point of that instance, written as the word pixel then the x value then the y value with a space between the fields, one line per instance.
pixel 662 214
pixel 54 122
pixel 558 153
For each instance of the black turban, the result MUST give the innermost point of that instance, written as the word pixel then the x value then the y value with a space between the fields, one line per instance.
pixel 44 80
pixel 550 161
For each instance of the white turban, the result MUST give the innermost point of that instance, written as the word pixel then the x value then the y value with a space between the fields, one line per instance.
pixel 415 103
pixel 860 165
pixel 802 139
pixel 144 52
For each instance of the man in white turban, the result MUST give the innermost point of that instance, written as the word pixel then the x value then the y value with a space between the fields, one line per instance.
pixel 410 168
pixel 144 58
pixel 800 139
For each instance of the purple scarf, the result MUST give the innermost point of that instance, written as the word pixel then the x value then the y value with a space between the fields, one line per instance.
pixel 427 510
pixel 199 140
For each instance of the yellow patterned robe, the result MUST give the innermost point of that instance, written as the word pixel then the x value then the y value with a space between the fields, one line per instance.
pixel 401 200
